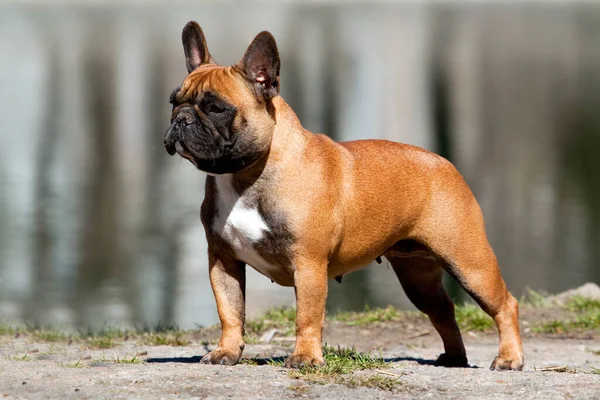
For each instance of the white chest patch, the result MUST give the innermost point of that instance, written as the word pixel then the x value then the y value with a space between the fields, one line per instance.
pixel 240 225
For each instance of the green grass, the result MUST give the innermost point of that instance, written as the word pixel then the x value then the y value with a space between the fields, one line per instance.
pixel 586 316
pixel 341 363
pixel 38 332
pixel 24 357
pixel 164 339
pixel 249 361
pixel 9 329
pixel 104 338
pixel 595 371
pixel 534 298
pixel 342 360
pixel 472 318
pixel 76 364
pixel 371 381
pixel 368 316
pixel 252 339
pixel 583 305
pixel 107 331
pixel 49 334
pixel 582 322
pixel 121 360
pixel 101 342
pixel 131 360
pixel 281 318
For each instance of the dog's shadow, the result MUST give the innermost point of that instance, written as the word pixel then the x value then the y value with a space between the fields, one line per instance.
pixel 279 360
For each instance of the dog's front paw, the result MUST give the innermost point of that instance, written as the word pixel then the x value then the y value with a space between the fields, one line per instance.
pixel 503 364
pixel 448 360
pixel 304 360
pixel 221 356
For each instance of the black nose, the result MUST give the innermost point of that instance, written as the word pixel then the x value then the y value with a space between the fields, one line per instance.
pixel 170 139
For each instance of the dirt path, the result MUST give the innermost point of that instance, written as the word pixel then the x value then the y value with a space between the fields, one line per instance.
pixel 59 371
pixel 562 355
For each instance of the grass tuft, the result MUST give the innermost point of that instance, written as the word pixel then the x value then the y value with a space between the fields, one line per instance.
pixel 76 364
pixel 534 298
pixel 165 339
pixel 583 304
pixel 132 360
pixel 24 357
pixel 9 329
pixel 340 361
pixel 586 316
pixel 341 364
pixel 368 316
pixel 281 318
pixel 249 361
pixel 473 318
pixel 101 342
pixel 121 360
pixel 47 334
pixel 578 323
pixel 372 381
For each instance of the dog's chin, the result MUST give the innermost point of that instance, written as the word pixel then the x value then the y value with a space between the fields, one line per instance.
pixel 216 164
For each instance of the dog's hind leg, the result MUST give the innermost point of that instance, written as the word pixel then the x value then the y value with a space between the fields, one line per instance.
pixel 421 279
pixel 459 238
pixel 477 271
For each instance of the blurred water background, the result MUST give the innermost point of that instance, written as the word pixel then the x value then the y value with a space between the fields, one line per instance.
pixel 99 225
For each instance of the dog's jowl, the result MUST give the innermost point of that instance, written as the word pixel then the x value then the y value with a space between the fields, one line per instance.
pixel 302 209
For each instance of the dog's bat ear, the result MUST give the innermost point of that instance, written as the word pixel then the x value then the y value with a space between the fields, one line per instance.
pixel 261 65
pixel 194 46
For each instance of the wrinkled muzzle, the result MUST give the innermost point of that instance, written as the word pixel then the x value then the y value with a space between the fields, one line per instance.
pixel 174 133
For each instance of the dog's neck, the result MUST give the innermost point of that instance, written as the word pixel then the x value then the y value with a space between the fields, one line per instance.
pixel 289 137
pixel 289 142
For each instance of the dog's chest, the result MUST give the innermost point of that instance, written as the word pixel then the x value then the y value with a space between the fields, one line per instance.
pixel 239 223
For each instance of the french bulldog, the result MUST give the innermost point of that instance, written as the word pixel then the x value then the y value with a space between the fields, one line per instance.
pixel 301 209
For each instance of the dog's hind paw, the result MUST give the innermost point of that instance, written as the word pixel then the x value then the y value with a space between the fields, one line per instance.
pixel 447 360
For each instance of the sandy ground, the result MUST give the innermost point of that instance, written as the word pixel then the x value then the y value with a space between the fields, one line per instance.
pixel 34 370
pixel 564 364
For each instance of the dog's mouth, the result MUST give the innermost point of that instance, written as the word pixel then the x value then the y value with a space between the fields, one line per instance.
pixel 179 147
pixel 209 153
pixel 174 143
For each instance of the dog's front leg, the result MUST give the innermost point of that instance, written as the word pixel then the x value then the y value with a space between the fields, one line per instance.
pixel 311 295
pixel 228 281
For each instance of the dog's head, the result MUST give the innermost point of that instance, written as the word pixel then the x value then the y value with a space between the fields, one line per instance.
pixel 223 117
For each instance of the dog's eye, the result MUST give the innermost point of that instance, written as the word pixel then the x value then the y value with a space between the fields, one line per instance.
pixel 215 109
